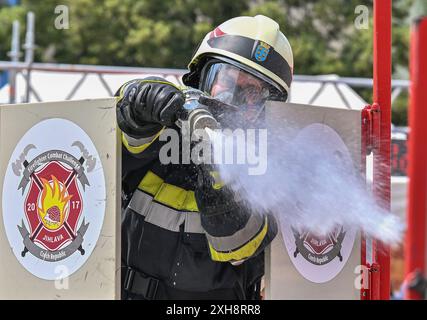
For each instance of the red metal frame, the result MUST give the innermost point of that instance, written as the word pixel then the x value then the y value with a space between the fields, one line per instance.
pixel 415 244
pixel 381 129
pixel 370 143
pixel 376 138
pixel 365 150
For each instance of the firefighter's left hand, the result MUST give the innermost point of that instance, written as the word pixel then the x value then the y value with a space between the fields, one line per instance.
pixel 212 196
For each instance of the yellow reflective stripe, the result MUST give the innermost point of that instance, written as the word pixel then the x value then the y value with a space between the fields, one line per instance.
pixel 176 198
pixel 244 252
pixel 151 183
pixel 218 184
pixel 190 203
pixel 141 148
pixel 172 196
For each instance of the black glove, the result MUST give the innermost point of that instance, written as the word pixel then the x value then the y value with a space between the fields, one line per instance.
pixel 212 197
pixel 151 103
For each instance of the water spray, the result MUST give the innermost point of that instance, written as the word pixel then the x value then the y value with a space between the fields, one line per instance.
pixel 310 183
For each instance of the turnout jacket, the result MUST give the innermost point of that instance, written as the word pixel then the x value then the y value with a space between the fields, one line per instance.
pixel 170 248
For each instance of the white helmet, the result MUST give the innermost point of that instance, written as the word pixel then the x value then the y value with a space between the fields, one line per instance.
pixel 253 44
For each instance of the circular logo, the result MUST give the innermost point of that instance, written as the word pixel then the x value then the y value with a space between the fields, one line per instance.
pixel 54 199
pixel 320 258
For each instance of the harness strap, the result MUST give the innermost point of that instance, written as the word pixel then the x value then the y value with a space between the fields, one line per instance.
pixel 138 283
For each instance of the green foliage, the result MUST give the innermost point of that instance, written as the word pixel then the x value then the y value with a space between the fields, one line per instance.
pixel 7 16
pixel 122 32
pixel 399 114
pixel 165 33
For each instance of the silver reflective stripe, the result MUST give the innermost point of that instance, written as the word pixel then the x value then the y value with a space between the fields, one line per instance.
pixel 133 142
pixel 163 216
pixel 140 202
pixel 241 237
pixel 193 223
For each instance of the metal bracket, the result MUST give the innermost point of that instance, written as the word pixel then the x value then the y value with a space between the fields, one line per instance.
pixel 371 291
pixel 370 123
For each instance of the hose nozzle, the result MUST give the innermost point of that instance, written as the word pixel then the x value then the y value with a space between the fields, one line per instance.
pixel 195 114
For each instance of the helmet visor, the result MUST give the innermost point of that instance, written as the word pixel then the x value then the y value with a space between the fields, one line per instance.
pixel 237 87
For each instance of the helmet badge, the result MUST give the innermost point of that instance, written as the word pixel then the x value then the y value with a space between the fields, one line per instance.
pixel 261 51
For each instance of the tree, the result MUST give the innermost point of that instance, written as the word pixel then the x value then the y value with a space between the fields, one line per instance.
pixel 126 32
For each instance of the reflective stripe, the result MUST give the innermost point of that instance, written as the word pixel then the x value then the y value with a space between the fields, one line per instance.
pixel 139 148
pixel 168 194
pixel 244 252
pixel 193 223
pixel 249 231
pixel 151 183
pixel 190 203
pixel 140 202
pixel 218 183
pixel 133 142
pixel 164 217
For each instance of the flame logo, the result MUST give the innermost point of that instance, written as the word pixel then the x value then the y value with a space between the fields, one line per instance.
pixel 54 200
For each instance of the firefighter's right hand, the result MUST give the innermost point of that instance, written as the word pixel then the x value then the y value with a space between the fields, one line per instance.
pixel 152 100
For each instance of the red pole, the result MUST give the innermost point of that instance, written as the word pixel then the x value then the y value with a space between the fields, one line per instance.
pixel 382 98
pixel 415 244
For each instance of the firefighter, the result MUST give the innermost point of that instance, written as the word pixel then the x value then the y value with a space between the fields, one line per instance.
pixel 184 235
